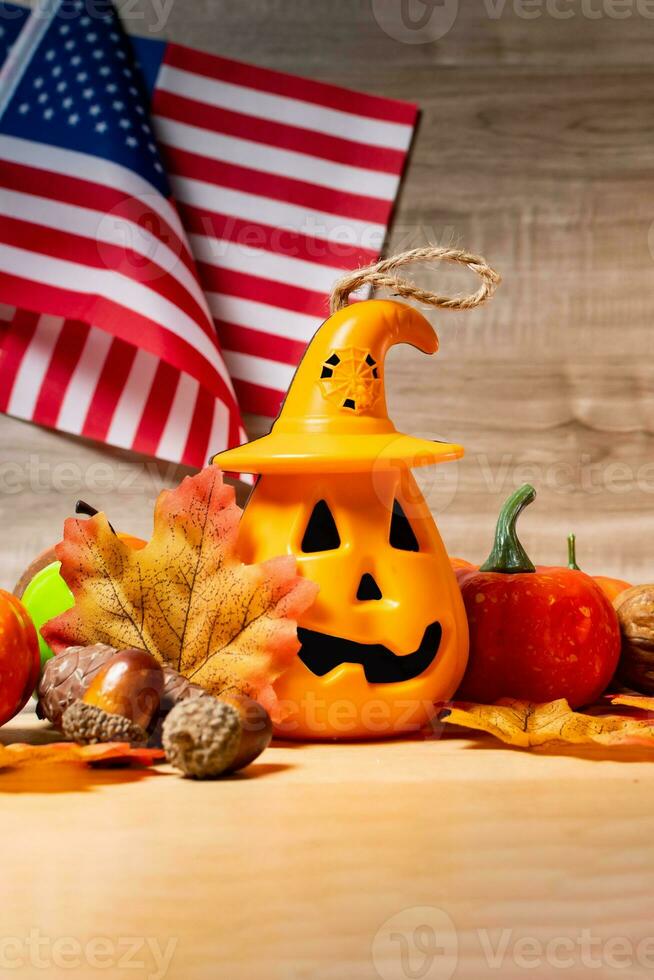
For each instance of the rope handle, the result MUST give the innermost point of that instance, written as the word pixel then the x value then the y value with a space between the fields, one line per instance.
pixel 381 274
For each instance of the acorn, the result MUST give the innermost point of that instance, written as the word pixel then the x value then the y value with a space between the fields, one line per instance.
pixel 201 737
pixel 256 729
pixel 635 610
pixel 67 676
pixel 120 703
pixel 78 677
pixel 210 737
pixel 130 684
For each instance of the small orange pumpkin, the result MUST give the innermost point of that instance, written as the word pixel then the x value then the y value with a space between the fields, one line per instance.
pixel 611 587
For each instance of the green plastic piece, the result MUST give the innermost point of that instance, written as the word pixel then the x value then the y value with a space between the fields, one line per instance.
pixel 45 597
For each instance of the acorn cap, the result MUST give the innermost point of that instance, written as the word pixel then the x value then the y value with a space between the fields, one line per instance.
pixel 334 417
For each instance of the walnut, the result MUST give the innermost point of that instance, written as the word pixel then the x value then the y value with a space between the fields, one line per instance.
pixel 635 609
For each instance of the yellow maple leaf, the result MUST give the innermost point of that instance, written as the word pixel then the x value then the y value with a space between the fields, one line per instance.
pixel 19 754
pixel 185 597
pixel 527 725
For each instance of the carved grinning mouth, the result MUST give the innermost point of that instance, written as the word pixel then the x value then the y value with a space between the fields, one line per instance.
pixel 321 652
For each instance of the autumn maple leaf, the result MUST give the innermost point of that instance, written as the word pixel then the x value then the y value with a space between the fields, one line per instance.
pixel 528 725
pixel 185 597
pixel 19 755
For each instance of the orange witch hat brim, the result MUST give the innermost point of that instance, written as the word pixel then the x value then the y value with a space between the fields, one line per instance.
pixel 326 452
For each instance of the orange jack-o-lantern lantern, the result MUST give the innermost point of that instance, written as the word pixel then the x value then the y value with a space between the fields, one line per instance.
pixel 387 634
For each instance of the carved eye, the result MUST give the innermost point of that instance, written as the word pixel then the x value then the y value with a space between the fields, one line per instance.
pixel 321 532
pixel 402 535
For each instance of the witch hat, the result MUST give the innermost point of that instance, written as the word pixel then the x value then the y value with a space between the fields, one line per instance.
pixel 334 417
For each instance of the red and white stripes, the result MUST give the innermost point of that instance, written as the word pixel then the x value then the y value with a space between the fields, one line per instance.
pixel 282 184
pixel 79 379
pixel 111 252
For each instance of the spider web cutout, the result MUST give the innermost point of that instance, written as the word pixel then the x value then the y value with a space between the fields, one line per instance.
pixel 350 379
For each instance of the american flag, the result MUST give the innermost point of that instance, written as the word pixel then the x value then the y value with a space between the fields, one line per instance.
pixel 171 223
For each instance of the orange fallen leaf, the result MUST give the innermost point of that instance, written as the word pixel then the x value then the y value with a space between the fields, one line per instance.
pixel 20 754
pixel 525 724
pixel 633 701
pixel 185 597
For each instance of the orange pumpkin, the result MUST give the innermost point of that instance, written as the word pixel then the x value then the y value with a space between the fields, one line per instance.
pixel 611 587
pixel 20 663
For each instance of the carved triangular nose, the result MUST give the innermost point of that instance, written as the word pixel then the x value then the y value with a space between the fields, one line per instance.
pixel 368 588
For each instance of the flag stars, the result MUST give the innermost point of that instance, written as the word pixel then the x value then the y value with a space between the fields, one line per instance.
pixel 91 37
pixel 43 97
pixel 48 113
pixel 24 108
pixel 101 127
pixel 69 45
pixel 85 21
pixel 127 72
pixel 56 71
pixel 98 54
pixel 118 105
pixel 64 29
pixel 67 103
pixel 140 110
pixel 50 55
pixel 125 124
pixel 132 141
pixel 73 119
pixel 88 93
pixel 75 61
pixel 94 110
pixel 38 82
pixel 62 86
pixel 81 76
pixel 105 70
pixel 111 88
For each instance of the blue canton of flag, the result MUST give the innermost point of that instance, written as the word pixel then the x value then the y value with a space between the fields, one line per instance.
pixel 85 91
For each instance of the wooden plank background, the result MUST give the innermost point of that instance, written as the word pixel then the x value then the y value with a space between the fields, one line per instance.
pixel 536 149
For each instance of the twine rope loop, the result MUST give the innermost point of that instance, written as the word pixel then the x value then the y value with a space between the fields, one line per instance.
pixel 382 275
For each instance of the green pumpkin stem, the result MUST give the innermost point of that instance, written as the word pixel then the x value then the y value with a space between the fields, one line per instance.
pixel 507 554
pixel 572 553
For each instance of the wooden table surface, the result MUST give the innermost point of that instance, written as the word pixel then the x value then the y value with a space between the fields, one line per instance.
pixel 325 862
pixel 342 862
